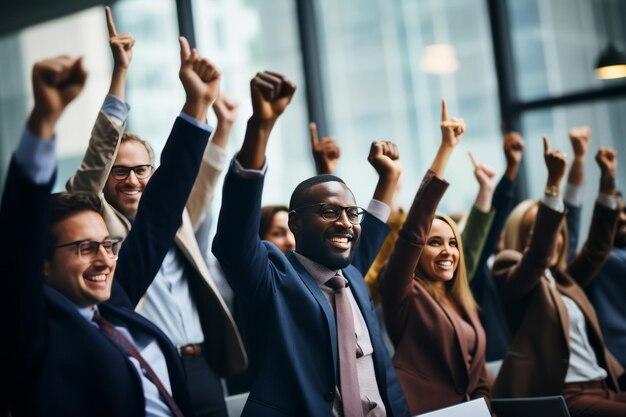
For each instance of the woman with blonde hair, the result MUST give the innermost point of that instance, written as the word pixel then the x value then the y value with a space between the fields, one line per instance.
pixel 557 347
pixel 429 310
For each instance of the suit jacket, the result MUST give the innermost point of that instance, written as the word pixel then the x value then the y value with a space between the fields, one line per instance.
pixel 58 363
pixel 430 352
pixel 607 294
pixel 224 349
pixel 538 358
pixel 288 324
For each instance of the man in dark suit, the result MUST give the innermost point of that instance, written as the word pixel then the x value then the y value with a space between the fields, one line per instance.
pixel 288 311
pixel 74 346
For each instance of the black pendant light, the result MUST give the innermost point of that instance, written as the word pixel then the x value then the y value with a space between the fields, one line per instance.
pixel 612 63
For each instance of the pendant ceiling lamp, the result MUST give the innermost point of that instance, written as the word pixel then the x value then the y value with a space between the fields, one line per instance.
pixel 611 63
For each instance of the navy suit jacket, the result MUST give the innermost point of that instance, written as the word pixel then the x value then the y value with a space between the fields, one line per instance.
pixel 288 324
pixel 57 363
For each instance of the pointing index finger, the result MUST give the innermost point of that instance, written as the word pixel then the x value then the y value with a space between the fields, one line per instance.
pixel 110 23
pixel 546 147
pixel 472 158
pixel 313 133
pixel 444 110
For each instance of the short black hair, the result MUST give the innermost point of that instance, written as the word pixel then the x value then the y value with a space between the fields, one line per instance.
pixel 298 194
pixel 64 205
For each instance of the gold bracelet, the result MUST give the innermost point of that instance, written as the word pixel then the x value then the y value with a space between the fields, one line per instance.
pixel 551 191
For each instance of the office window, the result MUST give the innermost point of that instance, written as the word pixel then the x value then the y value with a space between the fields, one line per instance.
pixel 608 126
pixel 375 88
pixel 556 43
pixel 243 38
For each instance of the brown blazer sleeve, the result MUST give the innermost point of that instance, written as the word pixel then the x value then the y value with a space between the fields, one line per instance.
pixel 396 278
pixel 588 262
pixel 516 275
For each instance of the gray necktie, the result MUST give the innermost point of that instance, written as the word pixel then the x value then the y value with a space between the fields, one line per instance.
pixel 346 338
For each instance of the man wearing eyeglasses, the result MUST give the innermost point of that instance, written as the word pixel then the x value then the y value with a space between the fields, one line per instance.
pixel 181 298
pixel 310 328
pixel 75 346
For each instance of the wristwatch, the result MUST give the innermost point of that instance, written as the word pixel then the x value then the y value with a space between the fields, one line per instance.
pixel 551 191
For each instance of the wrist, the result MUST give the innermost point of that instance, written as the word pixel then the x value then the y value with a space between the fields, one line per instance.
pixel 511 171
pixel 551 190
pixel 608 185
pixel 40 125
pixel 196 109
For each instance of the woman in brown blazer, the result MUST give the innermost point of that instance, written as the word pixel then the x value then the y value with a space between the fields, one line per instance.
pixel 557 347
pixel 429 310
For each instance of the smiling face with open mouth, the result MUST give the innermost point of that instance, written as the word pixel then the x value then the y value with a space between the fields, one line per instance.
pixel 86 283
pixel 440 256
pixel 327 242
pixel 125 194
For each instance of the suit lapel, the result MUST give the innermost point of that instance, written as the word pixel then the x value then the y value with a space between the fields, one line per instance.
pixel 315 290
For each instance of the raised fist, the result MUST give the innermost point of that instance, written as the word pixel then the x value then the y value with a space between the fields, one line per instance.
pixel 271 93
pixel 385 158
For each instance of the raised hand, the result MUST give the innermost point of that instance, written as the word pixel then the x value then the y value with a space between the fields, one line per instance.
pixel 121 45
pixel 486 178
pixel 271 94
pixel 451 129
pixel 513 145
pixel 385 158
pixel 484 174
pixel 555 162
pixel 607 161
pixel 225 109
pixel 201 80
pixel 326 153
pixel 579 137
pixel 56 82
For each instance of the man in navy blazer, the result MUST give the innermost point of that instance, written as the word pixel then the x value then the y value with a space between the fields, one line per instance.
pixel 55 358
pixel 288 321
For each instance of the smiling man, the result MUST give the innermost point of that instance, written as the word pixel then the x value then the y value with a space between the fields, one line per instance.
pixel 74 345
pixel 181 298
pixel 310 328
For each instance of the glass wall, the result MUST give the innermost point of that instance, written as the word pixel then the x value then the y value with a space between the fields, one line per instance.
pixel 606 120
pixel 247 36
pixel 47 40
pixel 556 43
pixel 375 88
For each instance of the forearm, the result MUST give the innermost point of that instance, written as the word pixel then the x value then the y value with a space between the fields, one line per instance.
pixel 576 174
pixel 252 153
pixel 474 237
pixel 441 160
pixel 199 203
pixel 118 83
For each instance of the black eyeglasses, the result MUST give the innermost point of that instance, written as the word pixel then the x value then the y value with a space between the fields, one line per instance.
pixel 120 172
pixel 332 212
pixel 88 250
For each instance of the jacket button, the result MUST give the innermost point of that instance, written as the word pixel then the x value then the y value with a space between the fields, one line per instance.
pixel 460 390
pixel 328 396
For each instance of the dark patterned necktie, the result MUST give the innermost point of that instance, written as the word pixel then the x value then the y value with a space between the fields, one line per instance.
pixel 126 346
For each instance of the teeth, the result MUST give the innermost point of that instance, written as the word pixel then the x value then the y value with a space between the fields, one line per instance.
pixel 96 278
pixel 130 192
pixel 445 263
pixel 339 239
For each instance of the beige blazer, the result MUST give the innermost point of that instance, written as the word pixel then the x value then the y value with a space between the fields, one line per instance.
pixel 224 349
pixel 538 357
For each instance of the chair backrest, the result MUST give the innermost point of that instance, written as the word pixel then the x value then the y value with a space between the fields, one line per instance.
pixel 235 404
pixel 530 406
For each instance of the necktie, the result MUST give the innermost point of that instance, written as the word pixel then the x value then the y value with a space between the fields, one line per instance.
pixel 346 338
pixel 126 345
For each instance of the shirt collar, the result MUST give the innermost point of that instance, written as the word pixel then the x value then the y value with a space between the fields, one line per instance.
pixel 87 312
pixel 319 272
